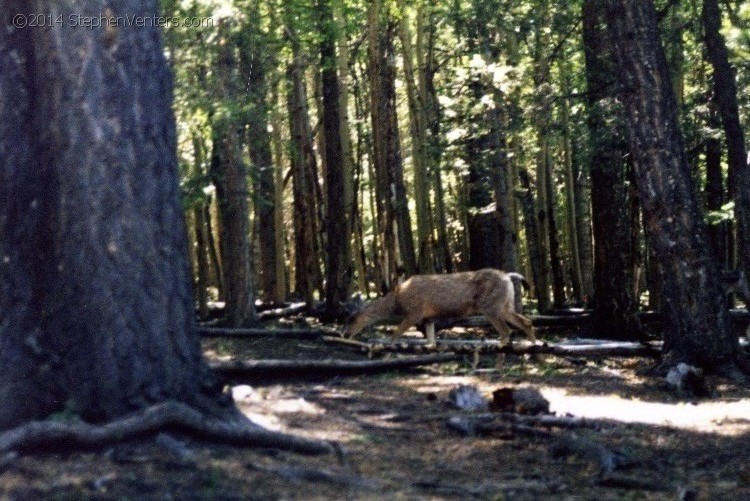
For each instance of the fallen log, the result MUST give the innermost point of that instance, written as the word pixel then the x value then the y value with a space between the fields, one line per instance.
pixel 267 369
pixel 276 332
pixel 567 320
pixel 602 349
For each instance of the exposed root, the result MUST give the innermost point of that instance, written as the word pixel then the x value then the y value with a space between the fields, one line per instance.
pixel 167 416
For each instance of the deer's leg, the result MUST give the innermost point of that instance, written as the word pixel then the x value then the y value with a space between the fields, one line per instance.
pixel 408 321
pixel 501 327
pixel 504 331
pixel 359 323
pixel 429 332
pixel 523 323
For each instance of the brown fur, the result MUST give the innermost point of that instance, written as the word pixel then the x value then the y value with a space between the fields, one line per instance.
pixel 485 292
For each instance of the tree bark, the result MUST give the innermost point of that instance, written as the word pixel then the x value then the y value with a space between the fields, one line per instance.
pixel 526 198
pixel 615 305
pixel 697 329
pixel 95 297
pixel 338 266
pixel 391 190
pixel 420 154
pixel 304 166
pixel 556 265
pixel 201 251
pixel 229 175
pixel 254 63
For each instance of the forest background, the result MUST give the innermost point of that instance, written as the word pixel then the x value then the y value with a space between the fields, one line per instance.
pixel 334 147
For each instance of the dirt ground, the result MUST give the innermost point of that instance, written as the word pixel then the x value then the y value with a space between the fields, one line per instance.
pixel 396 443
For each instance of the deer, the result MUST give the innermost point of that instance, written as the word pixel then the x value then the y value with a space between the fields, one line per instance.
pixel 488 292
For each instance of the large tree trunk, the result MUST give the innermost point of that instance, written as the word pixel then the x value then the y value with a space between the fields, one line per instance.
pixel 95 297
pixel 697 329
pixel 614 314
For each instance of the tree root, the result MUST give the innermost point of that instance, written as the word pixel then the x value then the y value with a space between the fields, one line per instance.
pixel 167 416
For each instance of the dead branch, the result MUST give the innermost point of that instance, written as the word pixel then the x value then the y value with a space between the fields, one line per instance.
pixel 317 368
pixel 293 309
pixel 46 435
pixel 471 427
pixel 278 333
pixel 487 418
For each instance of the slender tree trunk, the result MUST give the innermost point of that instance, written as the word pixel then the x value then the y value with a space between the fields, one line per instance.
pixel 541 214
pixel 386 144
pixel 717 232
pixel 337 244
pixel 201 256
pixel 582 189
pixel 725 90
pixel 280 241
pixel 556 267
pixel 501 184
pixel 420 155
pixel 210 215
pixel 426 62
pixel 526 197
pixel 571 220
pixel 306 249
pixel 229 175
pixel 95 297
pixel 697 329
pixel 615 307
pixel 253 66
pixel 347 161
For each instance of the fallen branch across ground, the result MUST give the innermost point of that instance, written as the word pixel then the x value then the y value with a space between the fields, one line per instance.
pixel 292 309
pixel 316 368
pixel 601 349
pixel 279 333
pixel 174 416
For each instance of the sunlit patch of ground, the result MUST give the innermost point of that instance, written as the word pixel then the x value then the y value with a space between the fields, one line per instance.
pixel 726 417
pixel 723 417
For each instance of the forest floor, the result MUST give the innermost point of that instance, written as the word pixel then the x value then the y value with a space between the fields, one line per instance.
pixel 396 442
